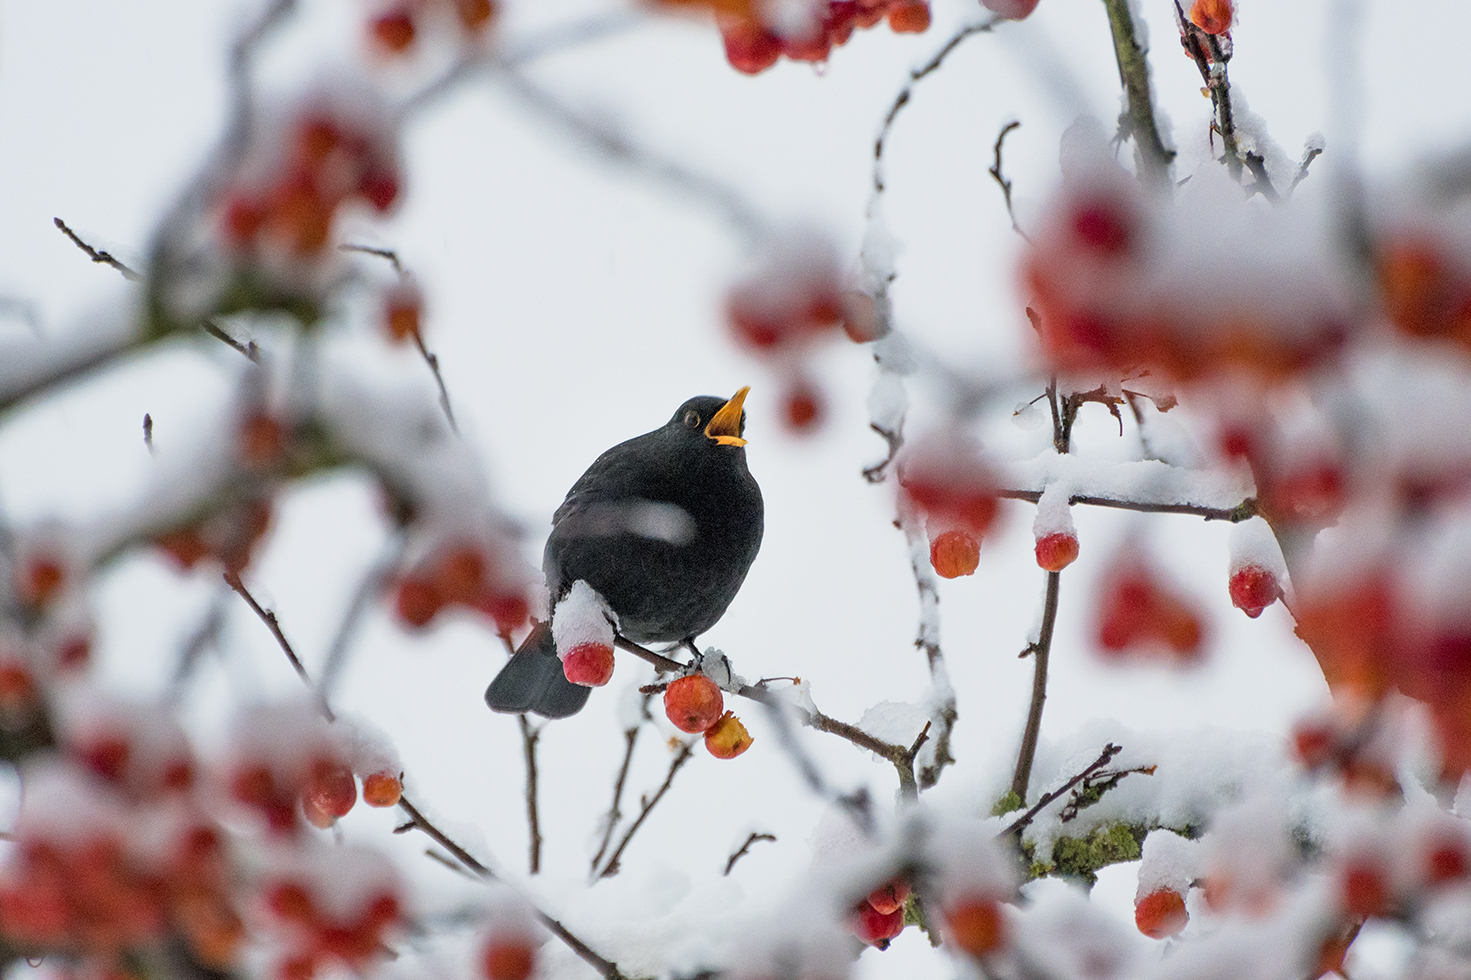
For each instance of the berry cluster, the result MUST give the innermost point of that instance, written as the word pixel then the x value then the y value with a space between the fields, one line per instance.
pixel 1139 613
pixel 399 25
pixel 752 46
pixel 229 536
pixel 471 575
pixel 334 907
pixel 329 159
pixel 946 479
pixel 791 302
pixel 694 704
pixel 880 917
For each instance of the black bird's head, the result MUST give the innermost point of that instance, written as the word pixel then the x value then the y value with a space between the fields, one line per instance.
pixel 714 421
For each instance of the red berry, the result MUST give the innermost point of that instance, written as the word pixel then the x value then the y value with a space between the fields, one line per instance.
pixel 262 439
pixel 1253 589
pixel 40 579
pixel 418 601
pixel 380 188
pixel 1056 551
pixel 749 48
pixel 459 576
pixel 693 703
pixel 1161 914
pixel 1446 862
pixel 1102 226
pixel 589 664
pixel 1314 743
pixel 1364 888
pixel 975 925
pixel 727 738
pixel 955 553
pixel 877 928
pixel 507 960
pixel 801 407
pixel 332 789
pixel 393 31
pixel 382 789
pixel 1212 16
pixel 887 898
pixel 474 14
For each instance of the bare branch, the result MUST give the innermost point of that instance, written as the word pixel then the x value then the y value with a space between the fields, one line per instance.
pixel 249 350
pixel 101 257
pixel 995 172
pixel 680 758
pixel 895 440
pixel 1235 515
pixel 659 661
pixel 1041 651
pixel 1310 154
pixel 382 253
pixel 746 849
pixel 369 588
pixel 902 99
pixel 269 618
pixel 1021 823
pixel 1138 122
pixel 529 737
pixel 615 813
pixel 205 635
pixel 433 361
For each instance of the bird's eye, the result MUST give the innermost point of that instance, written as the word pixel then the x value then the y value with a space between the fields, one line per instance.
pixel 692 419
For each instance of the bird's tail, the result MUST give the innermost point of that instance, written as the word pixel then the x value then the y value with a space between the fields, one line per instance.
pixel 532 680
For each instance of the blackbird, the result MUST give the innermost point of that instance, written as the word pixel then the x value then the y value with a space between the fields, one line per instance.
pixel 664 527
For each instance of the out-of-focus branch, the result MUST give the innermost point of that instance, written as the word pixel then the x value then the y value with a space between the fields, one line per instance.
pixel 746 849
pixel 369 588
pixel 1235 515
pixel 205 635
pixel 1154 159
pixel 722 198
pixel 529 737
pixel 647 807
pixel 915 75
pixel 995 172
pixel 97 255
pixel 928 641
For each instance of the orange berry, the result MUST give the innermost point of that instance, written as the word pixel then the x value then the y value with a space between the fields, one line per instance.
pixel 403 308
pixel 185 546
pixel 801 407
pixel 1313 743
pixel 1056 551
pixel 474 14
pixel 1212 16
pixel 589 664
pixel 749 48
pixel 460 576
pixel 291 902
pixel 261 440
pixel 381 789
pixel 911 18
pixel 507 960
pixel 1161 914
pixel 693 703
pixel 40 579
pixel 393 31
pixel 955 553
pixel 727 738
pixel 976 926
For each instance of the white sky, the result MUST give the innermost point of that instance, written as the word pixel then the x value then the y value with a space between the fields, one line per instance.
pixel 573 305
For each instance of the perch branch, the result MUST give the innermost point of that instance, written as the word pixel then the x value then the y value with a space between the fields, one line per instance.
pixel 1041 652
pixel 529 738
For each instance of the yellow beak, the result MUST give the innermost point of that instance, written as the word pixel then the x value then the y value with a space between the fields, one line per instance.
pixel 725 425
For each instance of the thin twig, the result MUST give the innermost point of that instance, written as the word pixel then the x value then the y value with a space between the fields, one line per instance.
pixel 249 350
pixel 269 618
pixel 433 361
pixel 205 635
pixel 382 253
pixel 1234 515
pixel 417 821
pixel 680 758
pixel 1154 159
pixel 148 433
pixel 746 849
pixel 615 813
pixel 96 255
pixel 1022 822
pixel 928 640
pixel 1310 154
pixel 895 440
pixel 529 737
pixel 995 172
pixel 644 653
pixel 1261 181
pixel 902 99
pixel 1041 651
